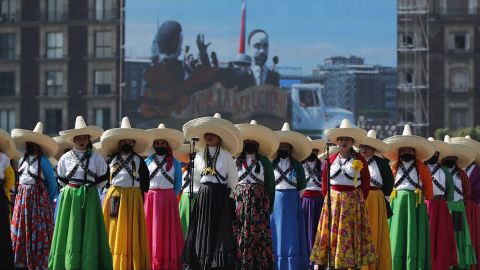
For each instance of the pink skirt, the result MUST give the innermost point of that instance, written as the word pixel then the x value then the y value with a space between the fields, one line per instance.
pixel 164 230
pixel 442 237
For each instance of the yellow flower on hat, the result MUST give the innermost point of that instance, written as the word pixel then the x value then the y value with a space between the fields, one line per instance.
pixel 357 166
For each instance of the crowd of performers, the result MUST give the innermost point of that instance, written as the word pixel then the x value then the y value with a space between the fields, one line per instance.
pixel 237 197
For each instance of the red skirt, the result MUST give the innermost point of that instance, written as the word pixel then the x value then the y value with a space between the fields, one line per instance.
pixel 473 219
pixel 442 237
pixel 164 231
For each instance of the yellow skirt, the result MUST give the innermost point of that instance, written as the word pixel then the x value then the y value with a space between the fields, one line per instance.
pixel 127 231
pixel 377 218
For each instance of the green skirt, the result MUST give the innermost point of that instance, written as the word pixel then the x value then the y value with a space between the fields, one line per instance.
pixel 465 250
pixel 80 238
pixel 409 233
pixel 184 208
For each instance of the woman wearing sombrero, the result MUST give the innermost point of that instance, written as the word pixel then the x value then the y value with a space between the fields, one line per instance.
pixel 287 221
pixel 350 238
pixel 460 156
pixel 183 155
pixel 473 202
pixel 312 198
pixel 164 231
pixel 381 184
pixel 210 241
pixel 409 227
pixel 7 182
pixel 63 147
pixel 442 238
pixel 32 220
pixel 254 196
pixel 123 207
pixel 79 239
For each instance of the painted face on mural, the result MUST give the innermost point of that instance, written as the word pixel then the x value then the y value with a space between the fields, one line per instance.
pixel 259 48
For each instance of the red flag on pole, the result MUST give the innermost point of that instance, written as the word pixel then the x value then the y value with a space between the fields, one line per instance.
pixel 241 48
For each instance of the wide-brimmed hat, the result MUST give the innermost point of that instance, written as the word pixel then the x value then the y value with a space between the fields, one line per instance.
pixel 332 150
pixel 17 156
pixel 264 136
pixel 230 135
pixel 471 143
pixel 7 145
pixel 443 149
pixel 111 137
pixel 81 128
pixel 182 154
pixel 172 136
pixel 346 130
pixel 98 148
pixel 423 148
pixel 372 141
pixel 465 155
pixel 63 144
pixel 302 148
pixel 21 136
pixel 318 144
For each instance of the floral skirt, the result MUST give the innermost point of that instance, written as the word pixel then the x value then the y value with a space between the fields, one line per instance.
pixel 252 227
pixel 32 226
pixel 351 242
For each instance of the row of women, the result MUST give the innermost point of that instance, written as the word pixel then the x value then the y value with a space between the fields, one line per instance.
pixel 141 199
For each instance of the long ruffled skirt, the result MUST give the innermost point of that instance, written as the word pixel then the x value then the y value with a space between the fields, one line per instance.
pixel 465 250
pixel 184 208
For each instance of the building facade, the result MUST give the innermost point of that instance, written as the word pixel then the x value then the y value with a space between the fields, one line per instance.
pixel 60 59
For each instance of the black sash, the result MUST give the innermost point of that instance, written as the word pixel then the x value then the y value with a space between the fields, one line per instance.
pixel 80 163
pixel 373 181
pixel 341 170
pixel 188 180
pixel 30 163
pixel 123 164
pixel 435 180
pixel 313 175
pixel 248 172
pixel 469 167
pixel 457 189
pixel 162 171
pixel 284 177
pixel 211 162
pixel 406 176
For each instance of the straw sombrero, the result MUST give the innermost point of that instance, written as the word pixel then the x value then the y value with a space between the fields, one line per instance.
pixel 465 155
pixel 62 145
pixel 21 136
pixel 98 148
pixel 471 143
pixel 7 145
pixel 302 148
pixel 332 150
pixel 264 136
pixel 346 130
pixel 441 147
pixel 172 136
pixel 17 156
pixel 372 141
pixel 81 128
pixel 183 153
pixel 224 129
pixel 424 149
pixel 318 144
pixel 111 137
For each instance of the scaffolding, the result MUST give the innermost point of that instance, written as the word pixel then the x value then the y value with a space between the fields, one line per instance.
pixel 413 63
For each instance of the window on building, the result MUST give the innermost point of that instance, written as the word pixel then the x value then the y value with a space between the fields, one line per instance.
pixel 54 45
pixel 7 46
pixel 102 118
pixel 103 44
pixel 459 80
pixel 457 7
pixel 7 10
pixel 103 82
pixel 472 6
pixel 459 118
pixel 409 77
pixel 7 84
pixel 54 83
pixel 55 11
pixel 103 9
pixel 407 40
pixel 460 41
pixel 53 121
pixel 7 119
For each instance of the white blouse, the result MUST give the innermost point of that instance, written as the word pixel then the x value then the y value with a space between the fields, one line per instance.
pixel 441 179
pixel 374 173
pixel 405 185
pixel 123 178
pixel 310 183
pixel 225 166
pixel 249 179
pixel 341 179
pixel 196 183
pixel 457 181
pixel 159 181
pixel 284 164
pixel 68 161
pixel 25 178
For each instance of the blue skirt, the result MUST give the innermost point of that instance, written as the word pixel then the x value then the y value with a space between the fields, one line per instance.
pixel 288 231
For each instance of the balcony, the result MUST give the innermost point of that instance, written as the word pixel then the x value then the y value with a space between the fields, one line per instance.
pixel 53 17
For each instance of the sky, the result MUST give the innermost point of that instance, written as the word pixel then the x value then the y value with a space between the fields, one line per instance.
pixel 302 32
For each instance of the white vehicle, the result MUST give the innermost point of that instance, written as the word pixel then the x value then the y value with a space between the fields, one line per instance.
pixel 310 115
